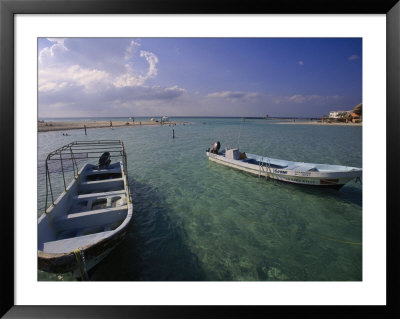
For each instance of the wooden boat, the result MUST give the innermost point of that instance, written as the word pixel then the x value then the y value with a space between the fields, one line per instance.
pixel 287 171
pixel 93 213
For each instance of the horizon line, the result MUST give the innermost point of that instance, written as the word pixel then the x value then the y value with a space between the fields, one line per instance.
pixel 190 116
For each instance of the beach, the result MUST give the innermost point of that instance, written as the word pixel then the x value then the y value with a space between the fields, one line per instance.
pixel 47 126
pixel 321 123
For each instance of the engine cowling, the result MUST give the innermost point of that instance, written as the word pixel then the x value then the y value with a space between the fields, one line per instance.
pixel 216 147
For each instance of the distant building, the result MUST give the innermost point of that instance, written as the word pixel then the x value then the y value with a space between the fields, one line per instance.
pixel 338 114
pixel 355 118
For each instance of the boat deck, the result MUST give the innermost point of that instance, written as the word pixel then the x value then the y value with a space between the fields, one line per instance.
pixel 70 244
pixel 255 162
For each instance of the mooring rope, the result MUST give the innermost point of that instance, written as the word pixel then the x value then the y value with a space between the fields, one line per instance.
pixel 80 260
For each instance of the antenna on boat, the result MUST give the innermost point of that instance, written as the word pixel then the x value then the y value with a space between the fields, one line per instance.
pixel 240 130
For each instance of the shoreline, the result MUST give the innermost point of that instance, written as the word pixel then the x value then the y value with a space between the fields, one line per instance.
pixel 79 125
pixel 321 123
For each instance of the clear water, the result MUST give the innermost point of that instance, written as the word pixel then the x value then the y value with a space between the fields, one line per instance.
pixel 198 220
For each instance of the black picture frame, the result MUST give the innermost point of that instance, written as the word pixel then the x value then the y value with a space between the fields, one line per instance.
pixel 8 8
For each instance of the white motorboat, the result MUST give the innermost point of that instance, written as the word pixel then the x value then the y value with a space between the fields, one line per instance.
pixel 93 213
pixel 287 171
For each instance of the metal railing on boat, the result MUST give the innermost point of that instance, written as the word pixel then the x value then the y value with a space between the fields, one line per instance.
pixel 77 151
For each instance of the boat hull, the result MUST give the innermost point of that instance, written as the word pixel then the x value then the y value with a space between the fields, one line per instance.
pixel 67 262
pixel 86 222
pixel 335 179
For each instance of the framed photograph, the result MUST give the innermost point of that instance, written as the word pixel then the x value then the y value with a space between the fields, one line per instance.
pixel 168 79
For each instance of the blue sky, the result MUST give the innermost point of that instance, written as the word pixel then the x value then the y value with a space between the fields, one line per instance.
pixel 294 77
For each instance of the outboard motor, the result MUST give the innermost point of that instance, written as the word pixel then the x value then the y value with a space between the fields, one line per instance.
pixel 104 160
pixel 216 147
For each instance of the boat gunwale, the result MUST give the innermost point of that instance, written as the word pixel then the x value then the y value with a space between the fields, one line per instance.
pixel 290 176
pixel 349 169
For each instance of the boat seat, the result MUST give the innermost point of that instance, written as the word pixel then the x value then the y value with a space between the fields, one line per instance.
pixel 70 244
pixel 251 161
pixel 102 194
pixel 113 180
pixel 104 171
pixel 91 218
pixel 92 201
pixel 101 186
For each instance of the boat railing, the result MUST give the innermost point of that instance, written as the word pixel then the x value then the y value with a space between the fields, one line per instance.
pixel 69 157
pixel 264 167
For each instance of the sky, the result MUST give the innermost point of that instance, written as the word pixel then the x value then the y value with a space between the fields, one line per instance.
pixel 243 77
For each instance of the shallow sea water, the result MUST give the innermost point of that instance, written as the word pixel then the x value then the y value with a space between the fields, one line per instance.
pixel 195 220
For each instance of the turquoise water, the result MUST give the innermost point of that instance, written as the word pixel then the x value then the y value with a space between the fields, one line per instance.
pixel 197 220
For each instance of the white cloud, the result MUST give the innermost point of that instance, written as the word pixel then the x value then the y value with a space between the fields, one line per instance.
pixel 86 77
pixel 57 40
pixel 314 98
pixel 61 105
pixel 128 79
pixel 93 64
pixel 234 95
pixel 353 57
pixel 131 49
pixel 131 78
pixel 56 78
pixel 175 88
pixel 51 86
pixel 81 77
pixel 96 77
pixel 49 52
pixel 152 59
pixel 299 98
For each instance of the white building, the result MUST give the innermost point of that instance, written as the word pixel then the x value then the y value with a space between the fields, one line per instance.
pixel 338 114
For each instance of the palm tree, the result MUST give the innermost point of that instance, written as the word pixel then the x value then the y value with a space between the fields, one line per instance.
pixel 358 109
pixel 349 117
